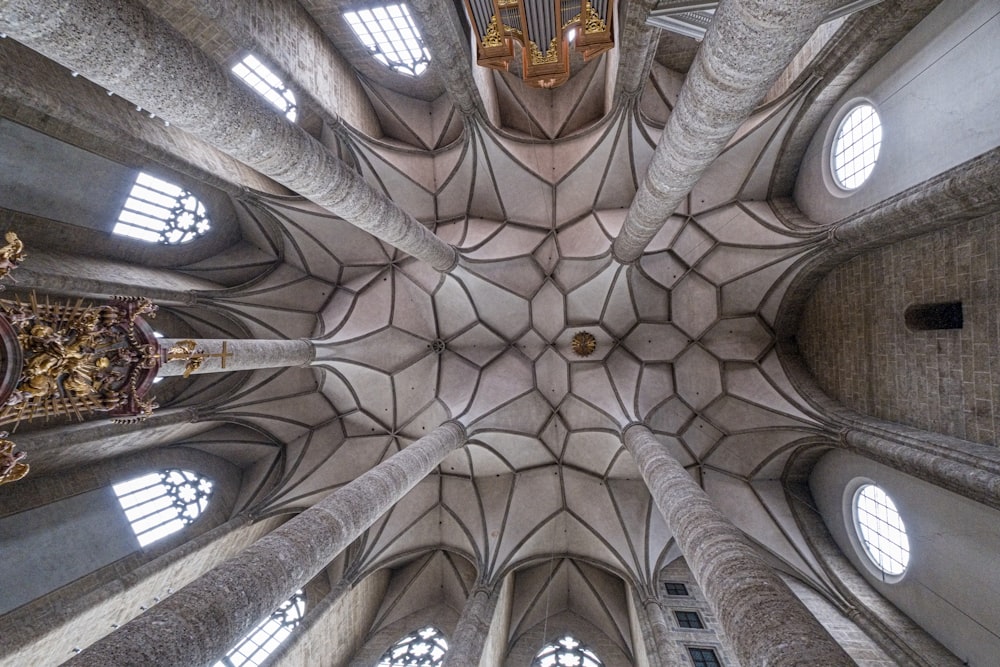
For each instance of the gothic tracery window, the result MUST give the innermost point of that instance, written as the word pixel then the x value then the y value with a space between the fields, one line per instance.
pixel 423 648
pixel 261 642
pixel 566 652
pixel 158 211
pixel 162 503
pixel 391 37
pixel 267 84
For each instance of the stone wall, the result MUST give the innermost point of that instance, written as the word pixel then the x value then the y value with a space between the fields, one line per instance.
pixel 712 636
pixel 855 341
pixel 861 648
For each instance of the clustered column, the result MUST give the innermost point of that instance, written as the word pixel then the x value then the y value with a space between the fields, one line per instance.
pixel 747 46
pixel 763 619
pixel 124 48
pixel 199 623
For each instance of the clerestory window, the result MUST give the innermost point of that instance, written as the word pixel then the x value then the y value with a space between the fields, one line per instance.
pixel 856 146
pixel 267 84
pixel 261 642
pixel 566 651
pixel 162 503
pixel 423 648
pixel 391 37
pixel 881 530
pixel 158 211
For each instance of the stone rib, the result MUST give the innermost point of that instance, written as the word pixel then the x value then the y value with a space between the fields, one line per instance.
pixel 763 619
pixel 199 623
pixel 127 50
pixel 748 45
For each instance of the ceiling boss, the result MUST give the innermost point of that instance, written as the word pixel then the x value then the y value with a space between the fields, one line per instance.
pixel 543 29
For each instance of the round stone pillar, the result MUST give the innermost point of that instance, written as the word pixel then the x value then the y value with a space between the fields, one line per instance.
pixel 747 46
pixel 199 623
pixel 469 638
pixel 765 622
pixel 224 355
pixel 125 48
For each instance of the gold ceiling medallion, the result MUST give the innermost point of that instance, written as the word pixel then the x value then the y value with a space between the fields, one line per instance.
pixel 583 344
pixel 11 468
pixel 501 23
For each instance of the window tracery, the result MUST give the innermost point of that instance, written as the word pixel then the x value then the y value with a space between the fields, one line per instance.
pixel 423 648
pixel 881 530
pixel 856 147
pixel 158 211
pixel 162 503
pixel 391 37
pixel 261 642
pixel 268 85
pixel 566 652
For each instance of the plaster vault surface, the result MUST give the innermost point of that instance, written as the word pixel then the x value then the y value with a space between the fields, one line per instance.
pixel 684 344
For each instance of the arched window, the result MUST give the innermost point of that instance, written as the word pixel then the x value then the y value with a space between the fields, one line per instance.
pixel 161 503
pixel 856 146
pixel 566 652
pixel 881 530
pixel 158 211
pixel 257 75
pixel 392 38
pixel 423 648
pixel 253 649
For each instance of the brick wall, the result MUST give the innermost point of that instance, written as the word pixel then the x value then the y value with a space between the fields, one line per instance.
pixel 854 339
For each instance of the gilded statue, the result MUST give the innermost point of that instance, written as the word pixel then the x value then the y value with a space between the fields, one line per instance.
pixel 11 468
pixel 11 254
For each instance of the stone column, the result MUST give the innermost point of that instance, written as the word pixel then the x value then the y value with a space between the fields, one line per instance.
pixel 240 355
pixel 199 623
pixel 747 46
pixel 126 49
pixel 660 644
pixel 763 619
pixel 469 638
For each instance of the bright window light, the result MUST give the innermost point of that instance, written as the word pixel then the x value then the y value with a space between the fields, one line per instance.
pixel 158 211
pixel 566 651
pixel 267 85
pixel 391 37
pixel 424 647
pixel 254 649
pixel 855 151
pixel 881 530
pixel 162 503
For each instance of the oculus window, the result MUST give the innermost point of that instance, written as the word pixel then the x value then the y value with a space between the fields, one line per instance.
pixel 254 649
pixel 856 147
pixel 162 503
pixel 158 211
pixel 391 37
pixel 881 530
pixel 566 652
pixel 268 85
pixel 423 648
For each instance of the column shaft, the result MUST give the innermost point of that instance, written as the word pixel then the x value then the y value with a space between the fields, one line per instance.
pixel 747 46
pixel 199 623
pixel 241 355
pixel 763 619
pixel 469 638
pixel 124 48
pixel 661 647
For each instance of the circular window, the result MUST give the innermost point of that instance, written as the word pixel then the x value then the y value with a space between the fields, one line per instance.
pixel 881 530
pixel 856 148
